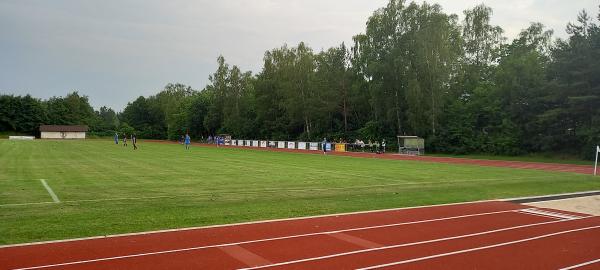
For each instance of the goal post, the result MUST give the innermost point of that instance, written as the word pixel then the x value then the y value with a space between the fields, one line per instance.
pixel 596 162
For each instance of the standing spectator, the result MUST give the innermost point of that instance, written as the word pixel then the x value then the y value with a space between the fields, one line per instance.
pixel 125 139
pixel 324 146
pixel 116 138
pixel 383 146
pixel 187 141
pixel 361 144
pixel 134 141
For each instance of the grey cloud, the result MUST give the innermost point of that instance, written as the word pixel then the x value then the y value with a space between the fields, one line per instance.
pixel 114 51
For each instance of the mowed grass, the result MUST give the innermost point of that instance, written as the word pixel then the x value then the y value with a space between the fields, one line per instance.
pixel 543 158
pixel 107 189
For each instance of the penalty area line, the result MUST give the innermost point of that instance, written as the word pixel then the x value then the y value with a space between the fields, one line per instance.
pixel 49 189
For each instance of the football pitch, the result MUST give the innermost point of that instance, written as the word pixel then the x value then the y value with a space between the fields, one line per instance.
pixel 66 189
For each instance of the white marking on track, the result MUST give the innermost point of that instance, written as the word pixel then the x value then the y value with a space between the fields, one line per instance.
pixel 407 244
pixel 549 213
pixel 259 240
pixel 538 215
pixel 581 264
pixel 479 248
pixel 49 189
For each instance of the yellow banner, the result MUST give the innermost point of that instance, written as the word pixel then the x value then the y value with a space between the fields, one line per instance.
pixel 340 147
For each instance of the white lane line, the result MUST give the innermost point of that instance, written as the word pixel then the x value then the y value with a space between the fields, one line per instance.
pixel 260 240
pixel 54 197
pixel 581 264
pixel 538 215
pixel 549 213
pixel 480 248
pixel 406 244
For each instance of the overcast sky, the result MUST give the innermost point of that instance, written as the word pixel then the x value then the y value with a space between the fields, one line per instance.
pixel 115 51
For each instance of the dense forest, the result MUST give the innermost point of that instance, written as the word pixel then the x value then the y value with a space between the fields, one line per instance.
pixel 416 70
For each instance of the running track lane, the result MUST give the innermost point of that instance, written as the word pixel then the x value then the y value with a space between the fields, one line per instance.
pixel 23 256
pixel 565 250
pixel 482 219
pixel 393 254
pixel 261 253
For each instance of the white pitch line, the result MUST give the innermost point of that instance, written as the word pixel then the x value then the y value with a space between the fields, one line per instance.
pixel 259 191
pixel 479 248
pixel 22 204
pixel 259 241
pixel 581 264
pixel 54 197
pixel 406 244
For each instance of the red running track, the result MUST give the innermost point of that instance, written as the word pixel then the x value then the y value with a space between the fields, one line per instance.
pixel 482 235
pixel 555 167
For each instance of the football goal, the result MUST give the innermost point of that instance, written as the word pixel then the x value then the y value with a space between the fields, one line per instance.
pixel 596 162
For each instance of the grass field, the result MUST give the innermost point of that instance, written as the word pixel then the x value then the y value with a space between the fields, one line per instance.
pixel 544 158
pixel 108 189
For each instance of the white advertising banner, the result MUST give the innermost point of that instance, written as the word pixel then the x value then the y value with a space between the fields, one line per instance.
pixel 241 142
pixel 272 144
pixel 302 145
pixel 21 138
pixel 263 144
pixel 255 143
pixel 248 143
pixel 234 142
pixel 291 145
pixel 280 144
pixel 314 146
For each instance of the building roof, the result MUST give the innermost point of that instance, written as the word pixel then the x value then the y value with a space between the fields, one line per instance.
pixel 64 128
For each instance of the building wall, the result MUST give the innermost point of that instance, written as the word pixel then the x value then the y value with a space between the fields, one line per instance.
pixel 62 135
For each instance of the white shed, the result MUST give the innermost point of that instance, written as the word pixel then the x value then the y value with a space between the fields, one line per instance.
pixel 62 132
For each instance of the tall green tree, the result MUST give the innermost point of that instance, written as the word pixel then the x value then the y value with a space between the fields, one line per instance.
pixel 334 92
pixel 73 109
pixel 146 117
pixel 288 80
pixel 572 109
pixel 108 117
pixel 230 94
pixel 21 114
pixel 408 55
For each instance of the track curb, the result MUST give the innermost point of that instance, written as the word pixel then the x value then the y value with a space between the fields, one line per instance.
pixel 553 197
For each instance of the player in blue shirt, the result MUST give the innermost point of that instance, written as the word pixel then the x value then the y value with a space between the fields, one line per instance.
pixel 116 138
pixel 187 141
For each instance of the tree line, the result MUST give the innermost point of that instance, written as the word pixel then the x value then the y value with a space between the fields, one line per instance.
pixel 416 70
